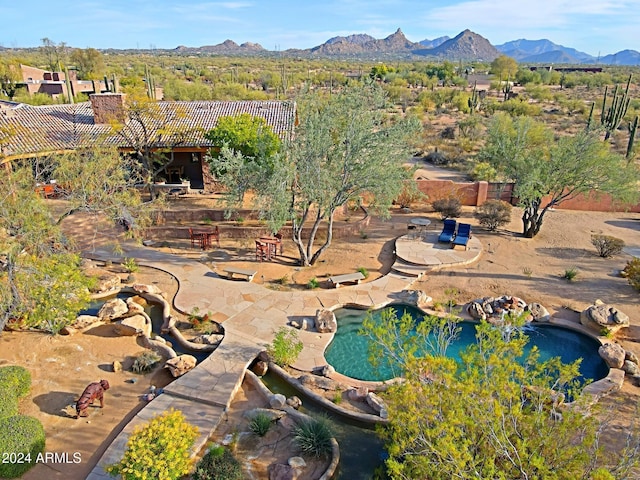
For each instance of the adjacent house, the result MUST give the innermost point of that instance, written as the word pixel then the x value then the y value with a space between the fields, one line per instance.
pixel 172 129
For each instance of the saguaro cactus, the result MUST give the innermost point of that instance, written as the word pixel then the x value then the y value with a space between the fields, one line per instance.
pixel 611 117
pixel 473 101
pixel 633 127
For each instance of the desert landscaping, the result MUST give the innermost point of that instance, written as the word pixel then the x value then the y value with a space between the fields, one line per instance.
pixel 531 269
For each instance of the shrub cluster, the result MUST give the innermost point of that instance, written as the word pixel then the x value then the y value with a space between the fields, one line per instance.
pixel 447 207
pixel 632 272
pixel 159 449
pixel 606 245
pixel 145 362
pixel 20 435
pixel 218 463
pixel 493 214
pixel 260 424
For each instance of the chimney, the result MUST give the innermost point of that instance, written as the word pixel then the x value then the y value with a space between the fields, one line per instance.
pixel 108 107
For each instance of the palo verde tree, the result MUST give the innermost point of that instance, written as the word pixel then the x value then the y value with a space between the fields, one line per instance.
pixel 348 147
pixel 496 413
pixel 41 285
pixel 546 171
pixel 9 77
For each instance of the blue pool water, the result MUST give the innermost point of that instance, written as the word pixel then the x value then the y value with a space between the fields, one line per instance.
pixel 348 352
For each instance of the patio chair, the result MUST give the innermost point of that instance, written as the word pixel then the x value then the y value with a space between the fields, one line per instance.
pixel 463 235
pixel 448 231
pixel 262 251
pixel 196 238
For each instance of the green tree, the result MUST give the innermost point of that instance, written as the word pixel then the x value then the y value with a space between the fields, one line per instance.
pixel 41 285
pixel 89 63
pixel 504 67
pixel 547 172
pixel 493 414
pixel 347 148
pixel 9 77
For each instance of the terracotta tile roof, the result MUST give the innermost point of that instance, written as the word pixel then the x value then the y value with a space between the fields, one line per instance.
pixel 39 129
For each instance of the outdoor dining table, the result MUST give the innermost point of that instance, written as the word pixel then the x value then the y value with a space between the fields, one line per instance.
pixel 207 236
pixel 274 244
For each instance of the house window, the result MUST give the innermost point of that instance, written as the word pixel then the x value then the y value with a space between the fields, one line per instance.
pixel 195 157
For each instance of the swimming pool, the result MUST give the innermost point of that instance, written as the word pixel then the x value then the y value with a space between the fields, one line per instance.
pixel 348 351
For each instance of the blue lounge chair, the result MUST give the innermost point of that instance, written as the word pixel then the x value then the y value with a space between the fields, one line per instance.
pixel 463 235
pixel 449 231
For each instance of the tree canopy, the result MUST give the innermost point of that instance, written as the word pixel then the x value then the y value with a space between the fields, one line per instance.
pixel 547 171
pixel 496 413
pixel 504 67
pixel 347 148
pixel 89 63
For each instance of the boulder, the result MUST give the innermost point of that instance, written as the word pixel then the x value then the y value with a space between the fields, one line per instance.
pixel 538 312
pixel 116 366
pixel 358 394
pixel 319 382
pixel 277 400
pixel 141 288
pixel 138 299
pixel 273 415
pixel 112 309
pixel 416 297
pixel 632 357
pixel 134 307
pixel 84 321
pixel 603 318
pixel 375 402
pixel 280 471
pixel 106 280
pixel 180 365
pixel 612 354
pixel 212 339
pixel 325 321
pixel 327 371
pixel 135 325
pixel 260 368
pixel 475 310
pixel 294 402
pixel 297 462
pixel 630 368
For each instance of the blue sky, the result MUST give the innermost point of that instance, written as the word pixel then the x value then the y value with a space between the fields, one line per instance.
pixel 592 26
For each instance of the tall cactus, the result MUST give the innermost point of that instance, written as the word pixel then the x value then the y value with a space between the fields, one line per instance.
pixel 473 101
pixel 590 119
pixel 611 117
pixel 633 127
pixel 506 88
pixel 151 86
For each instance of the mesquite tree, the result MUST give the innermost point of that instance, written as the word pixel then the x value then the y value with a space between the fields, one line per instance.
pixel 548 171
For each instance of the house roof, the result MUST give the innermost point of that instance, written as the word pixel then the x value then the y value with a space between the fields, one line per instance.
pixel 28 130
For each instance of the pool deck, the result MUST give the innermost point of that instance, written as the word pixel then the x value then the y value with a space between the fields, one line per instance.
pixel 251 315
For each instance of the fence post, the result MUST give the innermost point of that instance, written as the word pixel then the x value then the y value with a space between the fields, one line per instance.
pixel 483 190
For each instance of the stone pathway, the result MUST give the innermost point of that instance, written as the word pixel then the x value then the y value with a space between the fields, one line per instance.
pixel 252 314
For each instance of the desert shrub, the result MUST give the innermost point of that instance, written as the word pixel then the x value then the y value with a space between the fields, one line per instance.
pixel 606 245
pixel 483 171
pixel 313 437
pixel 437 158
pixel 447 207
pixel 313 283
pixel 8 403
pixel 570 274
pixel 260 424
pixel 145 362
pixel 16 379
pixel 493 214
pixel 364 272
pixel 23 436
pixel 130 265
pixel 218 464
pixel 286 347
pixel 283 280
pixel 159 449
pixel 632 272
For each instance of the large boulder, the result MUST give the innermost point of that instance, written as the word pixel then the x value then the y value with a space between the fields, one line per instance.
pixel 613 354
pixel 133 326
pixel 84 321
pixel 631 368
pixel 538 312
pixel 319 382
pixel 603 319
pixel 326 321
pixel 112 309
pixel 106 281
pixel 416 297
pixel 375 402
pixel 180 365
pixel 277 400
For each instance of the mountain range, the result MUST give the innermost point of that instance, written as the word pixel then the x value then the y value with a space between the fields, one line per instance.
pixel 466 46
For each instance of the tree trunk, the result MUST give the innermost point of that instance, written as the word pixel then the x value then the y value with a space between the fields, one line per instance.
pixel 326 244
pixel 532 218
